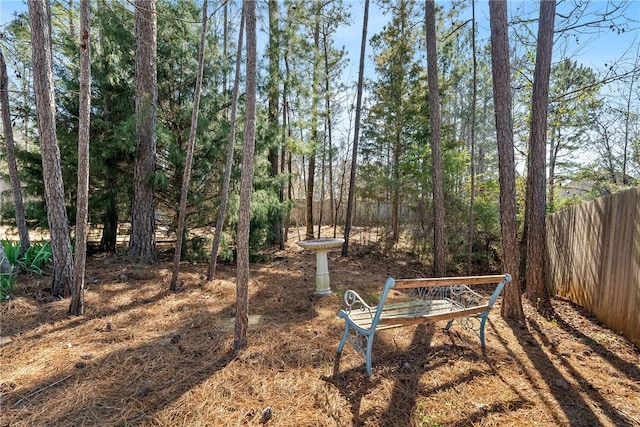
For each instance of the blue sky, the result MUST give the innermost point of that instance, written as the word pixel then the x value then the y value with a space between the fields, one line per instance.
pixel 7 7
pixel 593 50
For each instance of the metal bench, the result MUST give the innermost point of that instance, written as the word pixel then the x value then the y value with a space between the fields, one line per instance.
pixel 429 300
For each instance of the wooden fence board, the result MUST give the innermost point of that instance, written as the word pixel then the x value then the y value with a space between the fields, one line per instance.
pixel 594 259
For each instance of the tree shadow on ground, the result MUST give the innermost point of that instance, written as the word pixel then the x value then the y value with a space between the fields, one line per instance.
pixel 59 314
pixel 108 288
pixel 132 378
pixel 129 385
pixel 354 384
pixel 621 365
pixel 568 392
pixel 405 369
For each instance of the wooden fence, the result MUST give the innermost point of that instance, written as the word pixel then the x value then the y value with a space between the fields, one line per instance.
pixel 594 259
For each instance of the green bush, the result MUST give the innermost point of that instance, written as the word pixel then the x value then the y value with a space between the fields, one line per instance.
pixel 225 251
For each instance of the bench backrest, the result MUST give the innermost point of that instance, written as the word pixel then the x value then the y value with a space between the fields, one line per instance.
pixel 500 279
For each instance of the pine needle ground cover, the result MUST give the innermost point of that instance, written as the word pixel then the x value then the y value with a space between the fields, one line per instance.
pixel 143 356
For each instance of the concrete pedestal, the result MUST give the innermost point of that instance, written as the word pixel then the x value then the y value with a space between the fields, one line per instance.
pixel 321 247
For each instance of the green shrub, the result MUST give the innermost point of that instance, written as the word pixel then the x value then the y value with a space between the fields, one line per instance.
pixel 225 251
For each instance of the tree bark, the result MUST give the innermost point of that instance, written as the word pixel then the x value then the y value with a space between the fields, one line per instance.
pixel 395 176
pixel 109 238
pixel 142 243
pixel 285 156
pixel 273 51
pixel 472 168
pixel 329 129
pixel 311 171
pixel 439 261
pixel 76 306
pixel 242 293
pixel 512 303
pixel 224 198
pixel 186 177
pixel 52 172
pixel 536 209
pixel 16 188
pixel 356 134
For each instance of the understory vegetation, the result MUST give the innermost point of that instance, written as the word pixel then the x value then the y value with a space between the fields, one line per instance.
pixel 304 135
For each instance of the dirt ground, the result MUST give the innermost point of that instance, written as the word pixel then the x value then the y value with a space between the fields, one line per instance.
pixel 144 356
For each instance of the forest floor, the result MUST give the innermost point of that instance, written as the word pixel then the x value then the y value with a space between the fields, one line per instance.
pixel 145 356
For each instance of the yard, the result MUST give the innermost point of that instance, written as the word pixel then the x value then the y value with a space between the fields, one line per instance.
pixel 147 357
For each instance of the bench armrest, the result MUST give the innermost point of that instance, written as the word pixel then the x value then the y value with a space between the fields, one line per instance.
pixel 354 302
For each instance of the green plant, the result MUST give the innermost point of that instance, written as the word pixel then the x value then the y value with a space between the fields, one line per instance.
pixel 225 251
pixel 196 250
pixel 33 261
pixel 36 258
pixel 7 283
pixel 425 420
pixel 12 251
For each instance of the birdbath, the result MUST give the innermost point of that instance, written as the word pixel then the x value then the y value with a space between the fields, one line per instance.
pixel 321 247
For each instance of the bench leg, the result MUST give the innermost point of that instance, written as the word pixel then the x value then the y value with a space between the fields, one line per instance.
pixel 449 323
pixel 368 353
pixel 483 320
pixel 344 337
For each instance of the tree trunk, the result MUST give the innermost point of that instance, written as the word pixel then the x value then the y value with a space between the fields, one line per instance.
pixel 328 153
pixel 323 166
pixel 536 208
pixel 242 293
pixel 16 188
pixel 224 198
pixel 472 169
pixel 314 130
pixel 186 177
pixel 553 150
pixel 439 261
pixel 627 120
pixel 52 172
pixel 76 306
pixel 512 304
pixel 395 186
pixel 142 243
pixel 277 224
pixel 285 131
pixel 109 239
pixel 285 164
pixel 356 134
pixel 225 43
pixel 311 171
